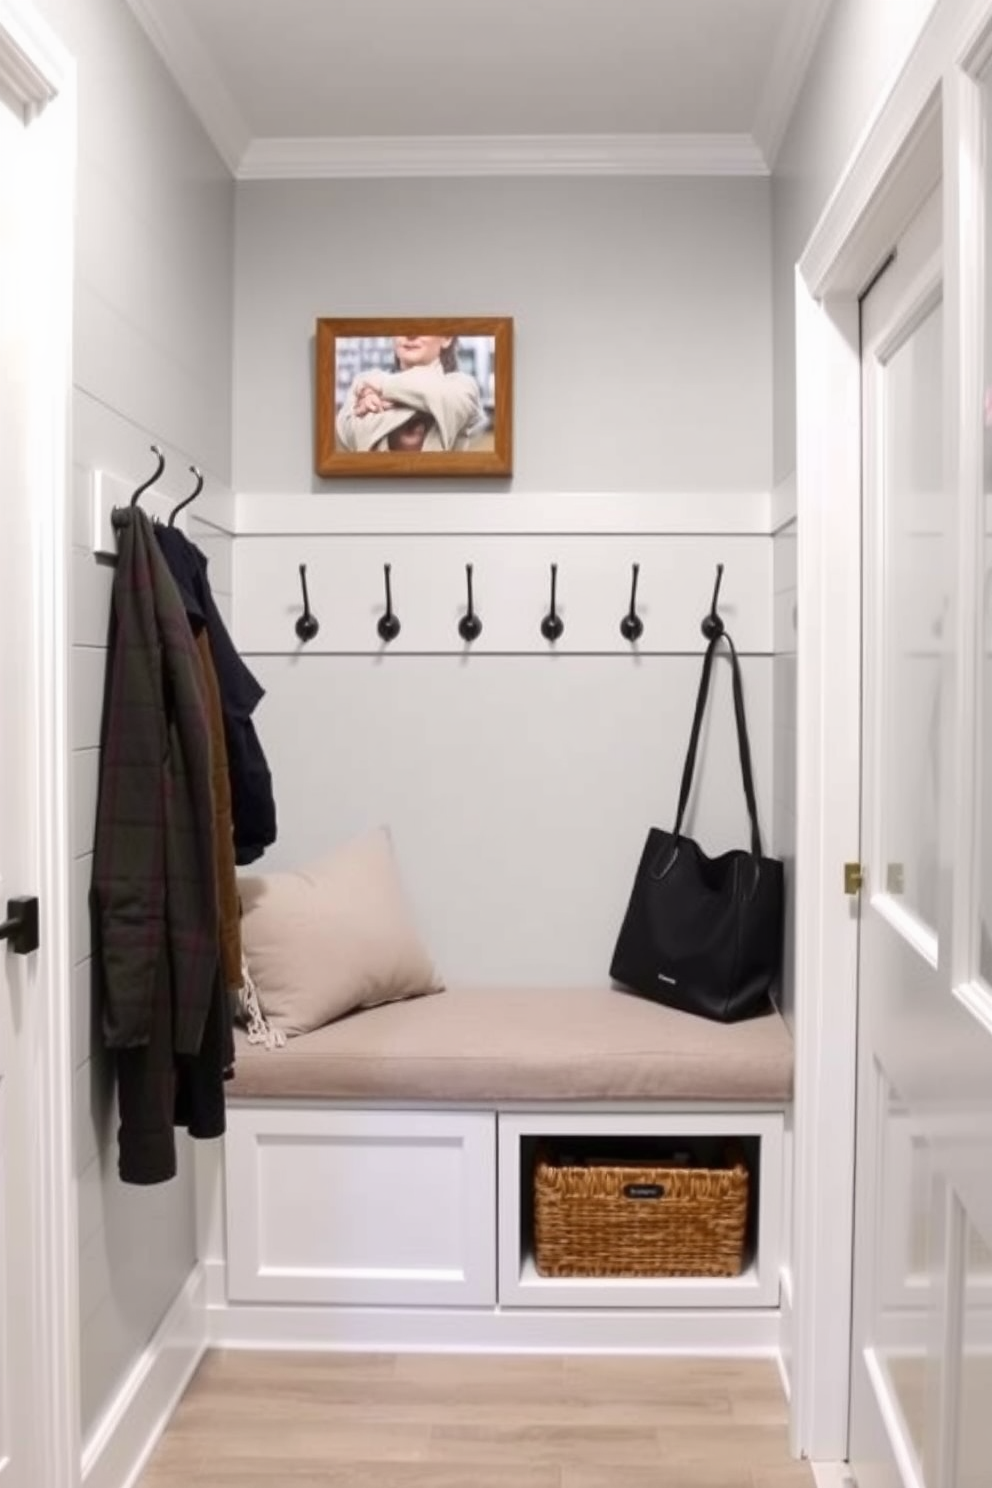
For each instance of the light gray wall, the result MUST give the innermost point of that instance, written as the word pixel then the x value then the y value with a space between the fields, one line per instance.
pixel 861 50
pixel 151 362
pixel 642 318
pixel 519 785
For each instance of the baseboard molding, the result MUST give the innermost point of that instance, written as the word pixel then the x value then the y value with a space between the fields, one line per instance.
pixel 832 1475
pixel 702 1331
pixel 121 1443
pixel 785 1331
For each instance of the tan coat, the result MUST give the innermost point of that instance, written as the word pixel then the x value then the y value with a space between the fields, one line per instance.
pixel 228 912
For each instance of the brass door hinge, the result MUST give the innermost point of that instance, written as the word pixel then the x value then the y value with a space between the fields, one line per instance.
pixel 854 878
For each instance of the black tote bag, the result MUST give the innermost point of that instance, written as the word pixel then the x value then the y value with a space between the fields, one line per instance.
pixel 702 934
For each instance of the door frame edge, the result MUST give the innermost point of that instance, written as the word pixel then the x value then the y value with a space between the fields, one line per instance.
pixel 40 74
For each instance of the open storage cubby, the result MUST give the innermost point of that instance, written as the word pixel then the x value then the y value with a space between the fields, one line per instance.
pixel 704 1138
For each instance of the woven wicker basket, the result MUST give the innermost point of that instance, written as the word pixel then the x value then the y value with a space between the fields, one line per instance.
pixel 639 1220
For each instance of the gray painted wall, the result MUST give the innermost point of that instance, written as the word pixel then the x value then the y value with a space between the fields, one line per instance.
pixel 642 317
pixel 155 221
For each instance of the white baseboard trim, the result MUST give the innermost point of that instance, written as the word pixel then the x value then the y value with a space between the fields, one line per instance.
pixel 785 1331
pixel 702 1331
pixel 832 1475
pixel 784 1375
pixel 119 1446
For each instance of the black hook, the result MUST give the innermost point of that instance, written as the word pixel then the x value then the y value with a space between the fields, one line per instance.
pixel 307 624
pixel 148 483
pixel 469 626
pixel 712 626
pixel 388 626
pixel 632 626
pixel 187 499
pixel 552 625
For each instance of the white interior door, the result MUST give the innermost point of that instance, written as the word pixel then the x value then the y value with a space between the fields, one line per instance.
pixel 923 1200
pixel 899 988
pixel 38 1308
pixel 19 864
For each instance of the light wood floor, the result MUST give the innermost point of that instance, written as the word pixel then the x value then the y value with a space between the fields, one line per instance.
pixel 266 1420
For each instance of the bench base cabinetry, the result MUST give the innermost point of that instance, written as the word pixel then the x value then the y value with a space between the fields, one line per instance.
pixel 413 1228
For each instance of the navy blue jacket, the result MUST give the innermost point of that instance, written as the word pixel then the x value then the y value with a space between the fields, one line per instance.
pixel 252 803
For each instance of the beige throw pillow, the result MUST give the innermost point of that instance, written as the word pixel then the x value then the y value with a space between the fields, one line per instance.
pixel 333 937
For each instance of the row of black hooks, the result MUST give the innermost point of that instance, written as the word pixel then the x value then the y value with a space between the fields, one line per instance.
pixel 155 478
pixel 470 624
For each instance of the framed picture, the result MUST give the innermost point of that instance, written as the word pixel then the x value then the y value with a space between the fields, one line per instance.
pixel 414 397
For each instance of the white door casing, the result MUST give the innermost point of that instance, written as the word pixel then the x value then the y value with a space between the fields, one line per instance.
pixel 38 1307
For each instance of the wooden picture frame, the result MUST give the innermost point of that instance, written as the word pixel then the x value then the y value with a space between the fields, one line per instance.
pixel 372 372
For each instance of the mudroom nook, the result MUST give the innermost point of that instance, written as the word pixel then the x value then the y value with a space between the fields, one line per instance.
pixel 495 827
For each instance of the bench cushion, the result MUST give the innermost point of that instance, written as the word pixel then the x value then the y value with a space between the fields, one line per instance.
pixel 523 1045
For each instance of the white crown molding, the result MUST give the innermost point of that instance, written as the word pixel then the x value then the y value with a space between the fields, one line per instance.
pixel 193 69
pixel 786 74
pixel 33 65
pixel 501 155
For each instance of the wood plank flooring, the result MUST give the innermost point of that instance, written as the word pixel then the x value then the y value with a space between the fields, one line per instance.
pixel 288 1420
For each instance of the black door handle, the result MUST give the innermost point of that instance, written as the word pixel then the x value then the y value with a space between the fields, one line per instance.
pixel 21 926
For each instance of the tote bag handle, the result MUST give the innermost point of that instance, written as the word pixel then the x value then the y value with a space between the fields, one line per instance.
pixel 743 743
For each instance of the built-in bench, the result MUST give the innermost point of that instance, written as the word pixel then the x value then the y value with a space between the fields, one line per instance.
pixel 539 1045
pixel 378 1171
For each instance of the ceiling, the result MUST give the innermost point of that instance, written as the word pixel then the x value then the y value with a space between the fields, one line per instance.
pixel 344 87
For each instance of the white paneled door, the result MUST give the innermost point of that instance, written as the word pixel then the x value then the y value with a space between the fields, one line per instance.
pixel 922 1347
pixel 36 1436
pixel 18 817
pixel 899 989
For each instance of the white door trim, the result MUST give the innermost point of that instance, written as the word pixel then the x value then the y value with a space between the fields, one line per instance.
pixel 39 74
pixel 894 169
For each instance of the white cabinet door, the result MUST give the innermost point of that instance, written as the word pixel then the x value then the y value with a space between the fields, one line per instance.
pixel 360 1207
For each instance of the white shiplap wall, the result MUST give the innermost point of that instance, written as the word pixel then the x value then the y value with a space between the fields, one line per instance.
pixel 152 361
pixel 137 1245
